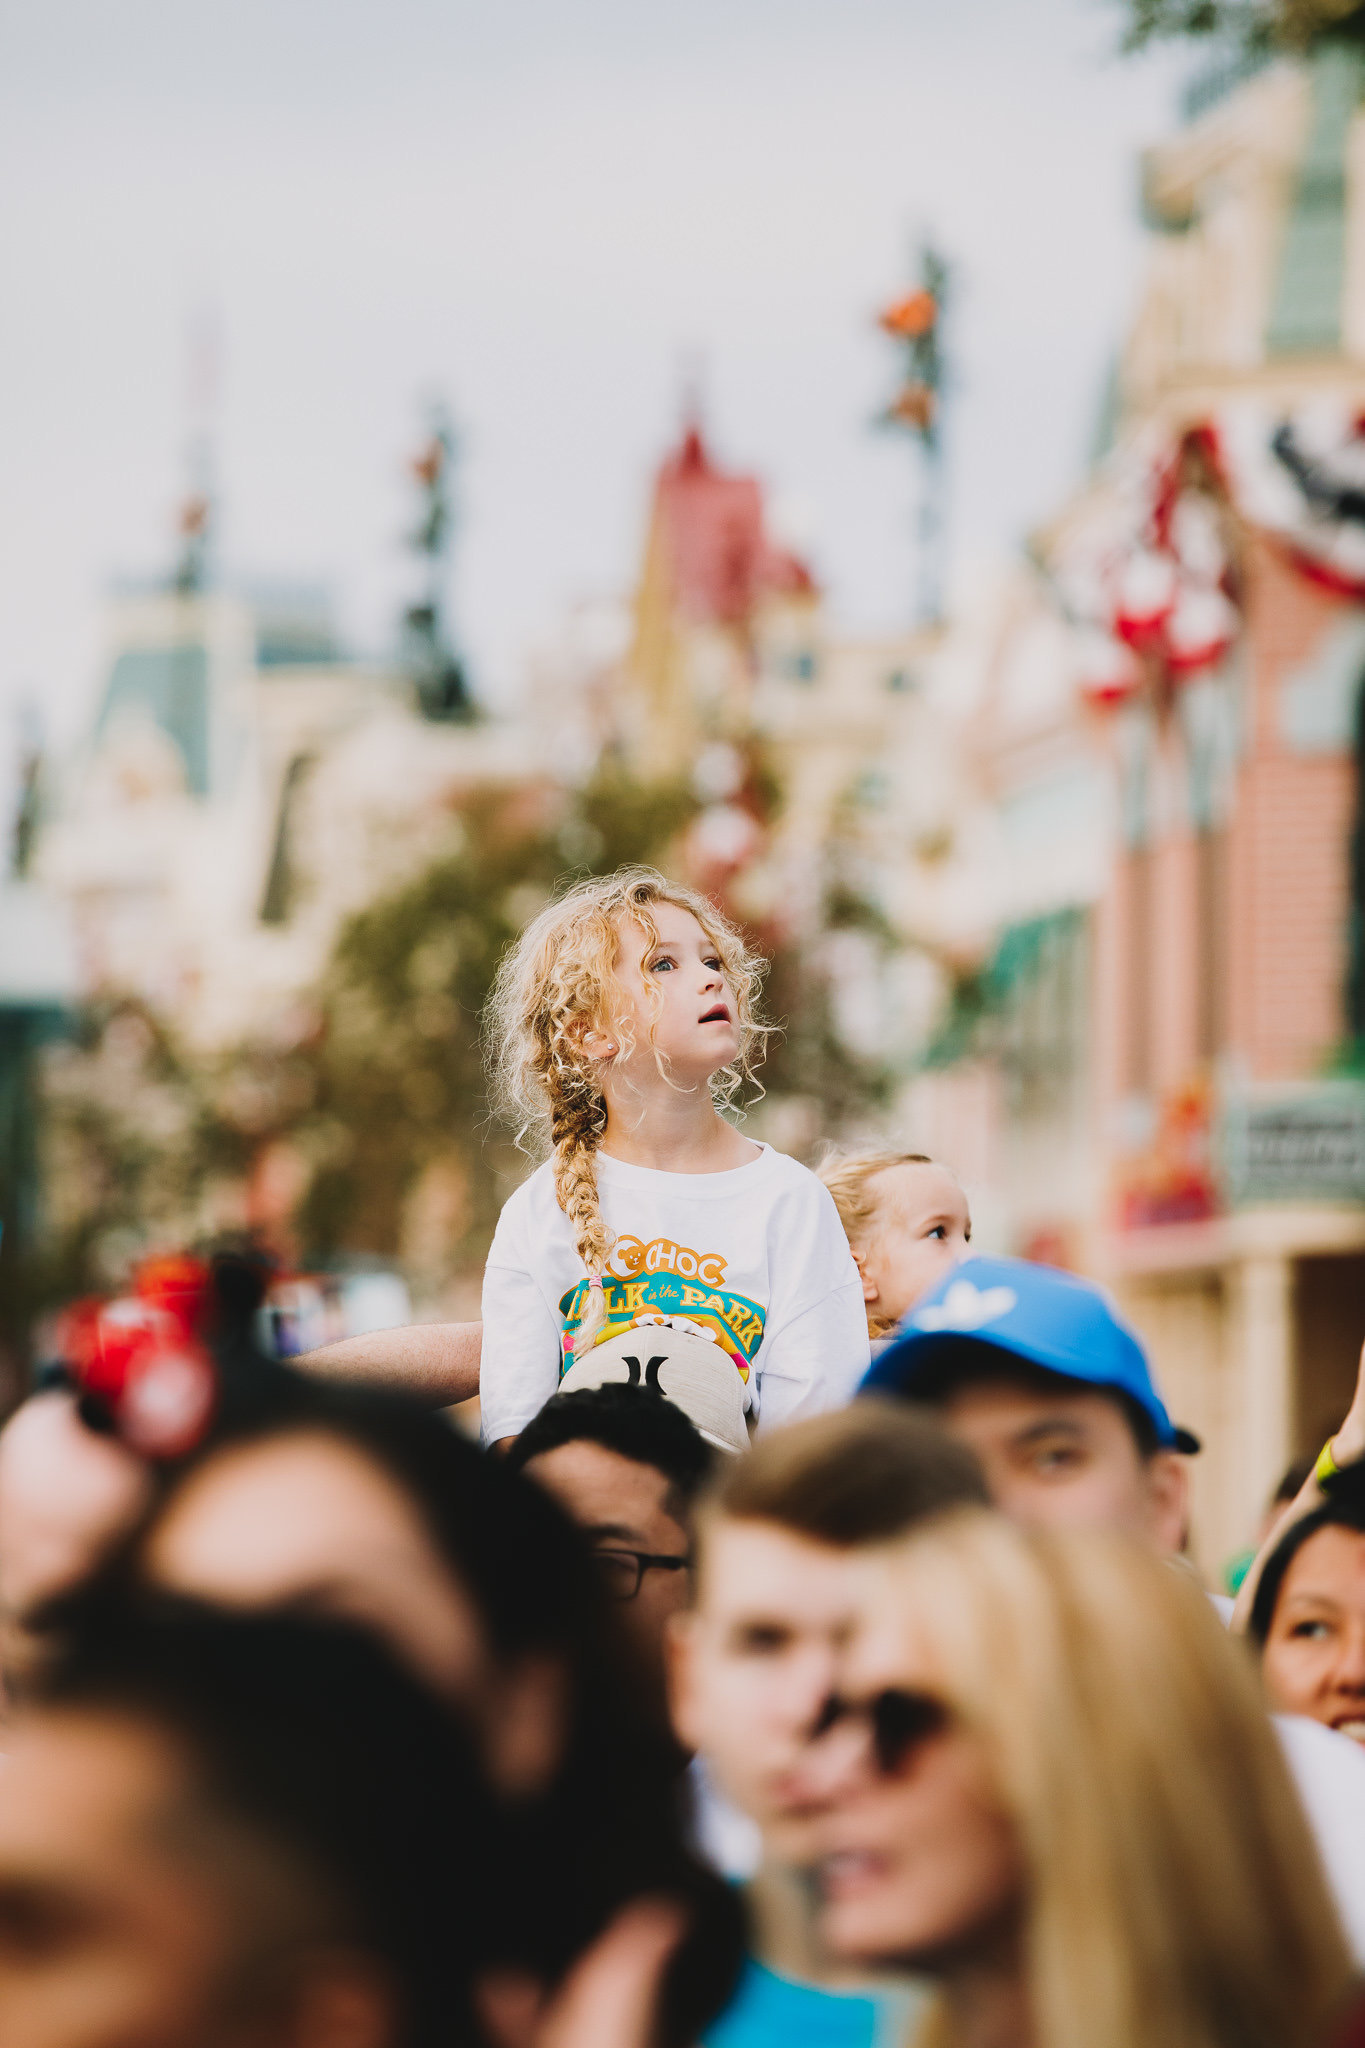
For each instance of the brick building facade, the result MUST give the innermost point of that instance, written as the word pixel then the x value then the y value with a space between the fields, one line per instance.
pixel 1167 735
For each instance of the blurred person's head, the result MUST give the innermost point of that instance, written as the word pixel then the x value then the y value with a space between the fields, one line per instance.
pixel 237 1830
pixel 1308 1616
pixel 351 1502
pixel 354 1503
pixel 1047 1767
pixel 626 1466
pixel 907 1222
pixel 347 1502
pixel 63 1490
pixel 135 1384
pixel 1034 1371
pixel 782 1542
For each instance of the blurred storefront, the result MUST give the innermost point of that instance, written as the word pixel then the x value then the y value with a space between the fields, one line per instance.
pixel 1167 745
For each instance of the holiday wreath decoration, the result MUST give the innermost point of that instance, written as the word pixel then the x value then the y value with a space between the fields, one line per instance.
pixel 1147 575
pixel 1146 569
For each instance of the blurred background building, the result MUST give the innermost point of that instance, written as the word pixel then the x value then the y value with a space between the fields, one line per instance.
pixel 1063 883
pixel 1164 1044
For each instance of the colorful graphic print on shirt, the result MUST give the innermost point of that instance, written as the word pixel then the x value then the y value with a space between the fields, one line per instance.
pixel 662 1278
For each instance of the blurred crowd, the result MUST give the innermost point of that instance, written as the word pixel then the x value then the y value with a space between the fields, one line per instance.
pixel 809 1654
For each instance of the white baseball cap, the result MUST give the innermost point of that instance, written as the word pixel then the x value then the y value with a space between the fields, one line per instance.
pixel 682 1365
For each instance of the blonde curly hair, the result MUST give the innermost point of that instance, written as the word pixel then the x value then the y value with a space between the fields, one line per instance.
pixel 848 1175
pixel 558 980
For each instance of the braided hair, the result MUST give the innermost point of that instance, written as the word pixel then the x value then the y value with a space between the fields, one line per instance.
pixel 556 982
pixel 578 1117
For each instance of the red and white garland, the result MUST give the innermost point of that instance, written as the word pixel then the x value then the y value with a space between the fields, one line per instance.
pixel 1145 573
pixel 1146 576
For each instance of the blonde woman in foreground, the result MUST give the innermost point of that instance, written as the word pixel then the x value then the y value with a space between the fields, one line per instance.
pixel 1048 1783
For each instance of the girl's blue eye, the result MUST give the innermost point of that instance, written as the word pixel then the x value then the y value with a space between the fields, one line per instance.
pixel 664 962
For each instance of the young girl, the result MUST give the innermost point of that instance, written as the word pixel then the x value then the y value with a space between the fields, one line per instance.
pixel 620 1020
pixel 907 1221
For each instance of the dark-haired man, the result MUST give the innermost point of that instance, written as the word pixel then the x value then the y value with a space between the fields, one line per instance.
pixel 626 1465
pixel 1037 1374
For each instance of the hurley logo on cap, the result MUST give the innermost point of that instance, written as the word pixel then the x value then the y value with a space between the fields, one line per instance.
pixel 966 1307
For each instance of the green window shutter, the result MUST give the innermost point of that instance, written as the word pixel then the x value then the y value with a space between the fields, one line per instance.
pixel 1305 316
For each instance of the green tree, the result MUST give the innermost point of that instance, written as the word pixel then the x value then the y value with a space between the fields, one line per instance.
pixel 130 1141
pixel 1250 25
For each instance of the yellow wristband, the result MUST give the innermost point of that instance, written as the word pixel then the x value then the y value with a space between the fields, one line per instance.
pixel 1327 1466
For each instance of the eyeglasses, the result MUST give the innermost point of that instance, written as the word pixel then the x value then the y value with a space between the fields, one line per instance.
pixel 621 1571
pixel 897 1723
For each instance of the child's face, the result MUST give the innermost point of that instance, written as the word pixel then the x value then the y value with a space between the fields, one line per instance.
pixel 677 1000
pixel 920 1226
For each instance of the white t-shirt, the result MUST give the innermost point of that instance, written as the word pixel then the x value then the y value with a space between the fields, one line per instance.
pixel 757 1256
pixel 1329 1770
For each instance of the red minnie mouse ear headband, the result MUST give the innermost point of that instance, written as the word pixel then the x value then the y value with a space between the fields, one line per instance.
pixel 140 1364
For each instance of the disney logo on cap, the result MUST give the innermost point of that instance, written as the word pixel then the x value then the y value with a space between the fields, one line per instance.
pixel 966 1307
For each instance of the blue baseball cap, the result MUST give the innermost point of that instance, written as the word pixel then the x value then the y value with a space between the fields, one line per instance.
pixel 1050 1319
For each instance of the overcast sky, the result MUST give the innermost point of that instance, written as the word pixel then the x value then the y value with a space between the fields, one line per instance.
pixel 542 209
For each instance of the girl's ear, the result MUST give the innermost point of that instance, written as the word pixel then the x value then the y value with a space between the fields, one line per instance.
pixel 597 1044
pixel 870 1291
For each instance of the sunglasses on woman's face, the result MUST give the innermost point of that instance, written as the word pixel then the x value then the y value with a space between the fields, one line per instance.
pixel 897 1723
